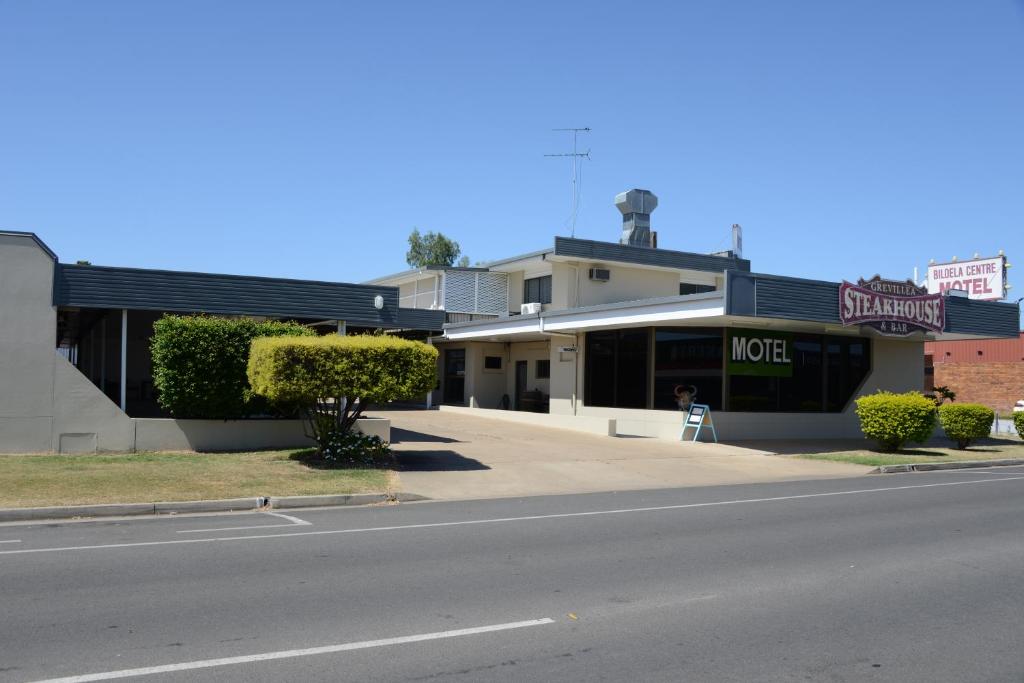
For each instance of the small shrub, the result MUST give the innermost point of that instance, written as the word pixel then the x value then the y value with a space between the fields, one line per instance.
pixel 964 422
pixel 199 364
pixel 1018 423
pixel 941 394
pixel 332 380
pixel 895 419
pixel 348 449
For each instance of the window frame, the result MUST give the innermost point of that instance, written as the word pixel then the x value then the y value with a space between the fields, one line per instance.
pixel 542 282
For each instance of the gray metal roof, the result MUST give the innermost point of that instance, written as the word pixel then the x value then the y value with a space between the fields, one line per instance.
pixel 789 298
pixel 185 292
pixel 664 258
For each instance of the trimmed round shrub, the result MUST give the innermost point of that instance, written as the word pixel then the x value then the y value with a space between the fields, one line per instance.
pixel 199 364
pixel 895 419
pixel 1018 423
pixel 964 422
pixel 331 380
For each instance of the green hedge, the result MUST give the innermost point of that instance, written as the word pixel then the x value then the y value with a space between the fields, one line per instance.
pixel 375 369
pixel 964 422
pixel 1018 424
pixel 895 419
pixel 199 364
pixel 331 381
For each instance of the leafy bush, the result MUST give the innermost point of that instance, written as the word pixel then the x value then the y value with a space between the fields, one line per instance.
pixel 895 419
pixel 1018 424
pixel 347 449
pixel 964 422
pixel 332 380
pixel 199 364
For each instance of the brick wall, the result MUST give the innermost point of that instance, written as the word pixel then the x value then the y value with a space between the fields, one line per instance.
pixel 996 385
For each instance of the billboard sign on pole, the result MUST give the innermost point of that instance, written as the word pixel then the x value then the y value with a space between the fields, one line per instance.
pixel 983 279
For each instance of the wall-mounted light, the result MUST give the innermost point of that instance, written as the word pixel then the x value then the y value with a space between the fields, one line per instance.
pixel 378 302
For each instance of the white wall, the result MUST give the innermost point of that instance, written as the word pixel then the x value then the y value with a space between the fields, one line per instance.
pixel 626 284
pixel 531 352
pixel 484 388
pixel 46 404
pixel 566 374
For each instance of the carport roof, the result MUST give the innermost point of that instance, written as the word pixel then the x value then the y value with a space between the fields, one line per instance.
pixel 88 286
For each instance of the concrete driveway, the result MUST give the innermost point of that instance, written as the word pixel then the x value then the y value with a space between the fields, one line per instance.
pixel 453 456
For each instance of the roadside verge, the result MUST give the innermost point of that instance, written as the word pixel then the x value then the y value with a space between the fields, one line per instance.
pixel 223 505
pixel 932 466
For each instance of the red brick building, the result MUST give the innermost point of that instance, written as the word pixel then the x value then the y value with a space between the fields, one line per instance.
pixel 990 372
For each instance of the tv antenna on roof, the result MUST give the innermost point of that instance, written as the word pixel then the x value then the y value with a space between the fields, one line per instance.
pixel 576 157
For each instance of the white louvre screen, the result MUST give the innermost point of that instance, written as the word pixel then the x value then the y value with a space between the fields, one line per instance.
pixel 475 292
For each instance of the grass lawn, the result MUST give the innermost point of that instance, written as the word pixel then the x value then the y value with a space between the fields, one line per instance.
pixel 41 480
pixel 935 451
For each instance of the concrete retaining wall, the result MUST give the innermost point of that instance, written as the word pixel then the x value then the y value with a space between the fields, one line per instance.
pixel 154 434
pixel 603 426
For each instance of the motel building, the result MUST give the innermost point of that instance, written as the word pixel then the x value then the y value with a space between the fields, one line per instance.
pixel 620 336
pixel 75 367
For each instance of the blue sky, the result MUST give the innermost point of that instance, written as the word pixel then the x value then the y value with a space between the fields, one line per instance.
pixel 306 139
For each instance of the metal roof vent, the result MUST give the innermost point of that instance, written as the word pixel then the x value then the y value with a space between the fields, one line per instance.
pixel 636 207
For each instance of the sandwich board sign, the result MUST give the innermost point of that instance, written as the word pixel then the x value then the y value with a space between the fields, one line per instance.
pixel 698 417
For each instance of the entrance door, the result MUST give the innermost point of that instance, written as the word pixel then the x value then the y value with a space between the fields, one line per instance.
pixel 520 383
pixel 454 376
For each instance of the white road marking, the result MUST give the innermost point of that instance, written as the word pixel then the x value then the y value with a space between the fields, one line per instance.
pixel 500 520
pixel 235 528
pixel 292 521
pixel 288 654
pixel 16 541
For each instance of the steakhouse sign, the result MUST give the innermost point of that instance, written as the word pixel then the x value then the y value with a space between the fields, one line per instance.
pixel 893 308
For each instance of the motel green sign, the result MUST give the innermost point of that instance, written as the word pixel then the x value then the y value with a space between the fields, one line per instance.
pixel 760 353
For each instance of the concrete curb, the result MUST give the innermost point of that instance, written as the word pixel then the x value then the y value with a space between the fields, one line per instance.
pixel 347 499
pixel 930 466
pixel 225 505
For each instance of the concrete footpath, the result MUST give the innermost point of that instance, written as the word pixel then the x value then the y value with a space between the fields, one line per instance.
pixel 455 456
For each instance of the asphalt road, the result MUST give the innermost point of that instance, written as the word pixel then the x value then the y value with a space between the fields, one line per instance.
pixel 913 577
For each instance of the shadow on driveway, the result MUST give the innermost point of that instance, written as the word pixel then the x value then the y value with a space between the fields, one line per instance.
pixel 399 435
pixel 436 461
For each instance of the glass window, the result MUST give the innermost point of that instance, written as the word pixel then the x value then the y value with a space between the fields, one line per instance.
pixel 492 362
pixel 690 288
pixel 826 373
pixel 687 359
pixel 600 369
pixel 631 371
pixel 753 394
pixel 537 290
pixel 543 370
pixel 804 391
pixel 848 363
pixel 616 368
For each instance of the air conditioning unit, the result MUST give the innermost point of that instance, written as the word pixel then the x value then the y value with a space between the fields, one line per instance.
pixel 529 309
pixel 600 274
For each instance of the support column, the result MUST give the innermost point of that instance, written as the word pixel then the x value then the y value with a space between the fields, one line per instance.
pixel 342 329
pixel 124 359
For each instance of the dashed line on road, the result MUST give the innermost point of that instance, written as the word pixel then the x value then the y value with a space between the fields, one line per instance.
pixel 289 654
pixel 14 541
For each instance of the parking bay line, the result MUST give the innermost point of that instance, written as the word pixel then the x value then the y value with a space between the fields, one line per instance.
pixel 292 521
pixel 288 654
pixel 499 520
